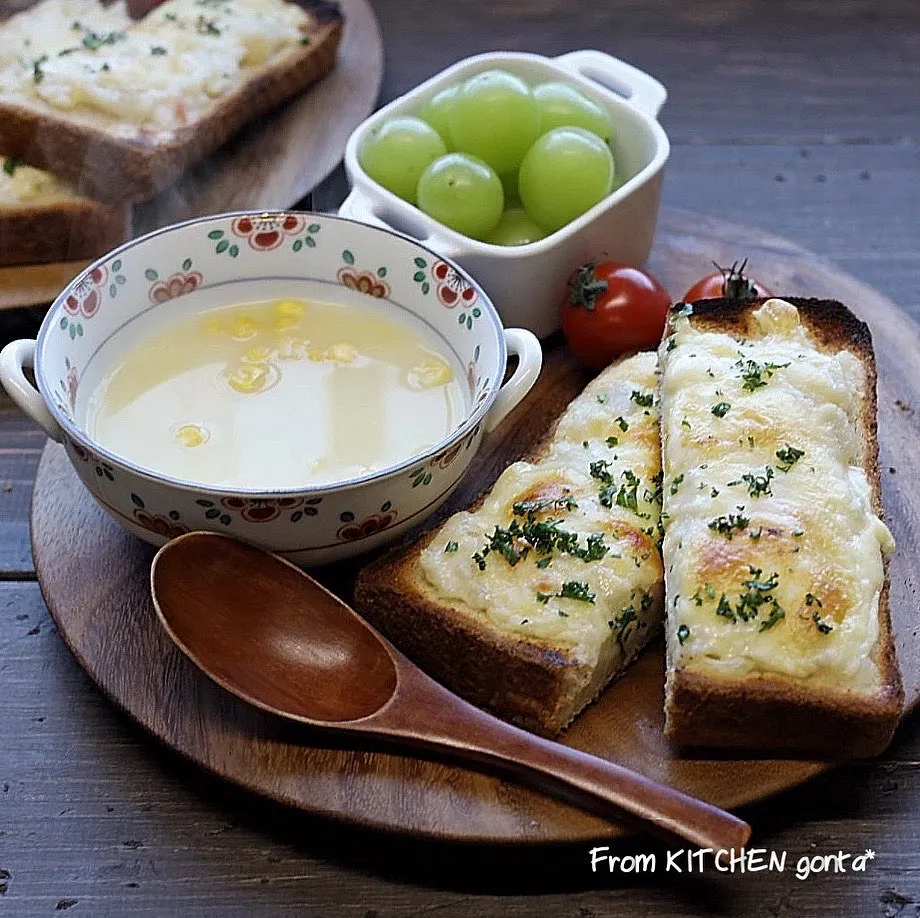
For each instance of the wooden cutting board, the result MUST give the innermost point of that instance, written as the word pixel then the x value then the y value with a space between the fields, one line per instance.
pixel 94 578
pixel 269 165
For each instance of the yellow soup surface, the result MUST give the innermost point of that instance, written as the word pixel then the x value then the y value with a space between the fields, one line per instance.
pixel 277 394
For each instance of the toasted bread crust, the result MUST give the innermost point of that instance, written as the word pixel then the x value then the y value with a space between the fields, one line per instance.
pixel 109 168
pixel 770 712
pixel 76 229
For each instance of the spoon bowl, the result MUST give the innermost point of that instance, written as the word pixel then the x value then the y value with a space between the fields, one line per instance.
pixel 270 634
pixel 259 631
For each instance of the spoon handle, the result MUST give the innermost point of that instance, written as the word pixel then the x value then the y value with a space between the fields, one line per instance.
pixel 424 713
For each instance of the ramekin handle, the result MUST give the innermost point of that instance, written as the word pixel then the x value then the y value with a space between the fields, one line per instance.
pixel 358 206
pixel 526 347
pixel 13 358
pixel 639 88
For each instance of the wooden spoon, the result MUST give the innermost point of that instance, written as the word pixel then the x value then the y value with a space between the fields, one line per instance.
pixel 270 634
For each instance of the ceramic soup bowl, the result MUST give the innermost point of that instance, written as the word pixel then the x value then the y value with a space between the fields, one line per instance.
pixel 527 282
pixel 235 258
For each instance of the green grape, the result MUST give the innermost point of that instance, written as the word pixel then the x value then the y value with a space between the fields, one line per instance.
pixel 436 112
pixel 562 105
pixel 496 118
pixel 397 152
pixel 515 228
pixel 566 172
pixel 462 192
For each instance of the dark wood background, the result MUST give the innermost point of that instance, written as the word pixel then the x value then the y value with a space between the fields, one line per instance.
pixel 801 118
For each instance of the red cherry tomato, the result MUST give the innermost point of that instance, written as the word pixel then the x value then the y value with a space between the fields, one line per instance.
pixel 728 283
pixel 611 308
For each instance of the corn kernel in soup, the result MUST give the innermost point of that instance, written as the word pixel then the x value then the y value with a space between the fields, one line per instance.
pixel 277 394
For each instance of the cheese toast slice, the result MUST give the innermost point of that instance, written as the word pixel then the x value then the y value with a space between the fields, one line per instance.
pixel 119 107
pixel 43 219
pixel 778 634
pixel 532 601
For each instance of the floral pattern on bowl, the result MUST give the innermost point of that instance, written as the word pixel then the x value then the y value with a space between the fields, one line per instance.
pixel 177 284
pixel 259 509
pixel 369 282
pixel 371 525
pixel 167 525
pixel 450 287
pixel 266 232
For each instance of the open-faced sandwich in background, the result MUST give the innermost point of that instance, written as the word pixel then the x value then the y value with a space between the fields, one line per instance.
pixel 42 218
pixel 114 109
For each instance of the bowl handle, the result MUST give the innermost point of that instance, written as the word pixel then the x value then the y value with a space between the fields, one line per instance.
pixel 13 358
pixel 526 346
pixel 358 206
pixel 640 89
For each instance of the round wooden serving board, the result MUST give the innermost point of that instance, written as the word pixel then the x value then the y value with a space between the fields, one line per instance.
pixel 270 164
pixel 94 578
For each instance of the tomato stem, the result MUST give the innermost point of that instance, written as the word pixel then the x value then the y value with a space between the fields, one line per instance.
pixel 585 288
pixel 736 288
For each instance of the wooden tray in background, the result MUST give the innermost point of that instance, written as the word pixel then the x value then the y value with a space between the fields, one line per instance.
pixel 270 164
pixel 94 578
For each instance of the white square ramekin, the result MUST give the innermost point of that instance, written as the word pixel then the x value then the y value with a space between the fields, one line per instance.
pixel 527 283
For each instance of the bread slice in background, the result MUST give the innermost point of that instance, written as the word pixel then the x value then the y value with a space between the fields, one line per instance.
pixel 778 632
pixel 497 632
pixel 42 219
pixel 74 101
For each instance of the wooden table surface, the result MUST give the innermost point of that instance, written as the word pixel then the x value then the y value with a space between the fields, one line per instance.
pixel 801 118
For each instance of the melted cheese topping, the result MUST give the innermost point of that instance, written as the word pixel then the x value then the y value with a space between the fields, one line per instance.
pixel 772 548
pixel 158 73
pixel 24 185
pixel 600 477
